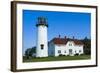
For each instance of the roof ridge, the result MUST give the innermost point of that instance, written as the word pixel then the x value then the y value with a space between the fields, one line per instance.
pixel 65 40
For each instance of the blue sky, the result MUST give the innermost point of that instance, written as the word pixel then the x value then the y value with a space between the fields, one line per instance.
pixel 64 23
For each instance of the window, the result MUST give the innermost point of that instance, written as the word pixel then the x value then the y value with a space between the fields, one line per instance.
pixel 70 44
pixel 79 50
pixel 59 51
pixel 42 46
pixel 65 51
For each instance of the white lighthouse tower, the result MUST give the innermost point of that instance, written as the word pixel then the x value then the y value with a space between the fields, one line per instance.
pixel 42 43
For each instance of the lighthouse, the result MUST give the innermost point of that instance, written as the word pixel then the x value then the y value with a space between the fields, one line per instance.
pixel 42 39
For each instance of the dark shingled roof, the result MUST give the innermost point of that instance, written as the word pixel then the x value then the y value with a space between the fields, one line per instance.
pixel 59 41
pixel 63 41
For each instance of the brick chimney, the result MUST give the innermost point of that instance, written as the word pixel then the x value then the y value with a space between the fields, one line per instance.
pixel 59 36
pixel 73 37
pixel 65 37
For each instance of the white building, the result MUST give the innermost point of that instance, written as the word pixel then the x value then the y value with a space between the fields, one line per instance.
pixel 65 46
pixel 42 42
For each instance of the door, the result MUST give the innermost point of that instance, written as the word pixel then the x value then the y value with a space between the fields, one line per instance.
pixel 70 52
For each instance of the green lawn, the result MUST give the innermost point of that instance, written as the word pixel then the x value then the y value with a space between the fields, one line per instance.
pixel 60 58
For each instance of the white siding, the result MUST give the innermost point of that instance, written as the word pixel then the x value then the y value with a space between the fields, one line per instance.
pixel 70 46
pixel 61 48
pixel 42 39
pixel 76 49
pixel 79 49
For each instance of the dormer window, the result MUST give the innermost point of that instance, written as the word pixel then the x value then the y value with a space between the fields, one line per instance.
pixel 70 44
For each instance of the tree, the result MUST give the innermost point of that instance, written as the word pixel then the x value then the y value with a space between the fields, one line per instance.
pixel 87 45
pixel 33 50
pixel 29 52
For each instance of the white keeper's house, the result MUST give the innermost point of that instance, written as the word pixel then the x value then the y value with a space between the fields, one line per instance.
pixel 57 46
pixel 65 46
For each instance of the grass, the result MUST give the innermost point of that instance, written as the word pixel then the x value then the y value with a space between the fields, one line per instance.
pixel 60 58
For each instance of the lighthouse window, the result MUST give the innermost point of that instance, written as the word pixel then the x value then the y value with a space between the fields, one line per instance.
pixel 42 46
